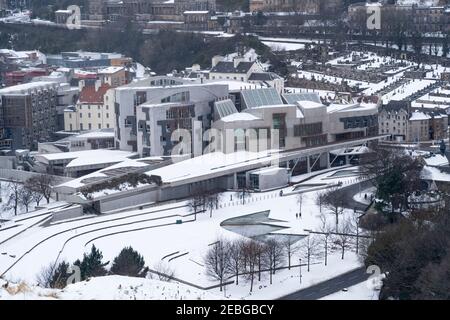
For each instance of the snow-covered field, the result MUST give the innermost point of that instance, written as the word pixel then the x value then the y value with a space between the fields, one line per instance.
pixel 360 291
pixel 154 233
pixel 107 288
pixel 7 212
pixel 284 46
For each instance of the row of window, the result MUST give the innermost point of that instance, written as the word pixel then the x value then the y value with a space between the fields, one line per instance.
pixel 307 129
pixel 99 126
pixel 99 115
pixel 89 107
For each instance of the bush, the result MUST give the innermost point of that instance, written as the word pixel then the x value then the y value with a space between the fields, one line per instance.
pixel 129 263
pixel 92 265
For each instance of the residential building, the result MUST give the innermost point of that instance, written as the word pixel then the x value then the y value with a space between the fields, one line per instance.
pixel 239 68
pixel 405 123
pixel 92 110
pixel 113 76
pixel 28 114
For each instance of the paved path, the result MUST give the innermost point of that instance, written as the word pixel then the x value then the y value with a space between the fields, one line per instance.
pixel 349 192
pixel 331 286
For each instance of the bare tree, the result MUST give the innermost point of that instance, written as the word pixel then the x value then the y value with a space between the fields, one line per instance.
pixel 250 251
pixel 290 244
pixel 13 189
pixel 334 202
pixel 244 193
pixel 325 229
pixel 45 276
pixel 309 248
pixel 342 238
pixel 273 256
pixel 212 202
pixel 25 197
pixel 319 200
pixel 42 184
pixel 216 261
pixel 235 258
pixel 197 201
pixel 165 272
pixel 300 197
pixel 37 197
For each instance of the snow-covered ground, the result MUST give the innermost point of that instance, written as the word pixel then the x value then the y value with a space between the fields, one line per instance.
pixel 7 212
pixel 360 291
pixel 284 46
pixel 154 233
pixel 107 288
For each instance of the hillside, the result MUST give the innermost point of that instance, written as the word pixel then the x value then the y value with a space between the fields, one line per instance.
pixel 106 288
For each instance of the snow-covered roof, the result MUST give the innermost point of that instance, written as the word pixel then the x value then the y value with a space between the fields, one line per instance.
pixel 26 86
pixel 110 70
pixel 97 134
pixel 436 160
pixel 106 172
pixel 212 164
pixel 417 115
pixel 243 116
pixel 435 174
pixel 87 157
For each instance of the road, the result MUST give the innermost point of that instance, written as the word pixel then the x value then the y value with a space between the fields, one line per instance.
pixel 349 191
pixel 328 287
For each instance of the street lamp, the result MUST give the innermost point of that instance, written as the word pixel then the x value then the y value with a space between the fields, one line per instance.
pixel 300 269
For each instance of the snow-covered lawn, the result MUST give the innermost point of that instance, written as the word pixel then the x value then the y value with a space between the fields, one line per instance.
pixel 7 212
pixel 107 288
pixel 284 46
pixel 153 232
pixel 361 291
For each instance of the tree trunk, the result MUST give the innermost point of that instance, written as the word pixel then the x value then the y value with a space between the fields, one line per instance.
pixel 289 260
pixel 343 251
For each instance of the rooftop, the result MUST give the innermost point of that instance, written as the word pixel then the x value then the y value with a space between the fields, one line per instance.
pixel 89 94
pixel 228 67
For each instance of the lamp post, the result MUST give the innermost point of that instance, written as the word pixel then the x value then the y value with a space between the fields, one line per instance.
pixel 300 269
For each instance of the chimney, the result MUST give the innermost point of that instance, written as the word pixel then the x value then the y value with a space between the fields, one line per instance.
pixel 81 85
pixel 98 83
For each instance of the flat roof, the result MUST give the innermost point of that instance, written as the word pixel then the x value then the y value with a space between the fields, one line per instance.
pixel 87 157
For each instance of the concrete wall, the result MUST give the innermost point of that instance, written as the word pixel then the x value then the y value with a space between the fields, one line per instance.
pixel 22 176
pixel 72 212
pixel 124 201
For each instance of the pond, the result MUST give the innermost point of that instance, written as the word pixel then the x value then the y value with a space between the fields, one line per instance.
pixel 256 226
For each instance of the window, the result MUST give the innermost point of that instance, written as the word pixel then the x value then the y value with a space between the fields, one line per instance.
pixel 99 126
pixel 81 127
pixel 99 115
pixel 71 128
pixel 107 125
pixel 81 115
pixel 307 129
pixel 107 115
pixel 90 126
pixel 89 115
